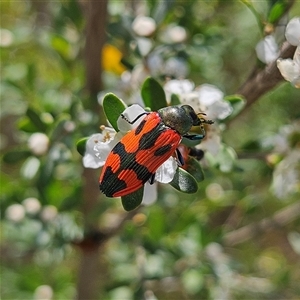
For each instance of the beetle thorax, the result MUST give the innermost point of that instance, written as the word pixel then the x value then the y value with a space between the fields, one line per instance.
pixel 176 118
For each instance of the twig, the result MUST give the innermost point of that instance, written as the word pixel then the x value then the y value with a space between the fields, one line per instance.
pixel 260 82
pixel 279 219
pixel 96 14
pixel 92 267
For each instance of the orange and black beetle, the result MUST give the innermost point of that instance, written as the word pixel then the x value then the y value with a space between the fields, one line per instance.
pixel 135 159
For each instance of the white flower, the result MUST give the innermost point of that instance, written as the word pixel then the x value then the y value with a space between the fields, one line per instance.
pixel 178 87
pixel 158 65
pixel 48 213
pixel 165 173
pixel 267 49
pixel 176 67
pixel 44 292
pixel 144 45
pixel 15 212
pixel 150 193
pixel 204 98
pixel 155 63
pixel 174 34
pixel 286 175
pixel 292 32
pixel 290 68
pixel 143 26
pixel 212 141
pixel 97 148
pixel 38 143
pixel 280 142
pixel 211 99
pixel 6 37
pixel 32 205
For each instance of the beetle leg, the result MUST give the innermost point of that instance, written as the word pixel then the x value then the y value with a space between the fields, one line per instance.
pixel 179 158
pixel 194 137
pixel 152 178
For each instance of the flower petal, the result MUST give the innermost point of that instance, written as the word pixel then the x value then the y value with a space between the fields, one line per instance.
pixel 292 32
pixel 98 146
pixel 289 69
pixel 219 110
pixel 130 113
pixel 150 193
pixel 165 173
pixel 267 49
pixel 178 87
pixel 143 26
pixel 209 94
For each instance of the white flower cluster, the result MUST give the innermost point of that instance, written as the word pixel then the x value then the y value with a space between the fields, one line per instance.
pixel 267 51
pixel 204 98
pixel 38 143
pixel 286 175
pixel 290 68
pixel 30 206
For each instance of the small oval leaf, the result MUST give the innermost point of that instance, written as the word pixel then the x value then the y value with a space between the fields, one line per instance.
pixel 175 100
pixel 277 11
pixel 153 94
pixel 36 120
pixel 237 102
pixel 184 182
pixel 15 156
pixel 195 169
pixel 26 125
pixel 133 200
pixel 113 107
pixel 80 145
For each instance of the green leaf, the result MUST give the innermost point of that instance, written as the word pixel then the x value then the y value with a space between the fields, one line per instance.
pixel 190 143
pixel 156 223
pixel 133 200
pixel 61 45
pixel 113 107
pixel 31 75
pixel 195 169
pixel 36 120
pixel 153 94
pixel 15 156
pixel 184 182
pixel 26 125
pixel 80 145
pixel 276 12
pixel 237 102
pixel 175 100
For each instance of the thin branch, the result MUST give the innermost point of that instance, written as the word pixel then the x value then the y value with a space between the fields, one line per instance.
pixel 260 82
pixel 96 14
pixel 92 267
pixel 279 219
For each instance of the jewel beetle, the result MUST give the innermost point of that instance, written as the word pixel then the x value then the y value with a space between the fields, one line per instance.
pixel 136 157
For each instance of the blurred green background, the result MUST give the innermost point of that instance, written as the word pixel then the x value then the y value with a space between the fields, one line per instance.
pixel 61 239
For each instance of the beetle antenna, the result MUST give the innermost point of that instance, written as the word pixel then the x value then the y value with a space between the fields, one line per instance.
pixel 131 122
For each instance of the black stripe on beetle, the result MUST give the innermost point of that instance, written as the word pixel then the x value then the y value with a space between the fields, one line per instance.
pixel 111 184
pixel 128 162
